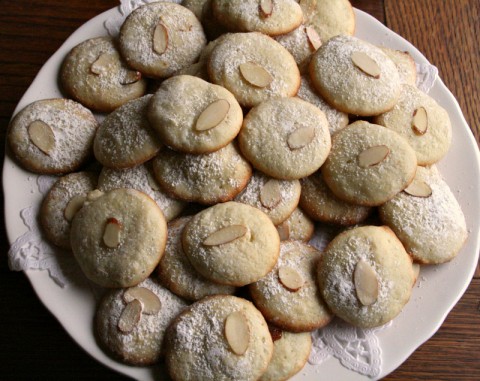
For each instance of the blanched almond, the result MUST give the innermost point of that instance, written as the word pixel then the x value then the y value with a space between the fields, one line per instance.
pixel 73 206
pixel 419 188
pixel 366 283
pixel 130 316
pixel 266 8
pixel 373 156
pixel 150 301
pixel 313 37
pixel 237 332
pixel 290 278
pixel 283 231
pixel 131 77
pixel 255 74
pixel 160 39
pixel 213 114
pixel 42 136
pixel 271 194
pixel 366 64
pixel 420 121
pixel 102 64
pixel 112 233
pixel 225 235
pixel 301 137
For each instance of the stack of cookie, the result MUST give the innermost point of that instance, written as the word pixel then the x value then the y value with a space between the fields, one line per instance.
pixel 226 141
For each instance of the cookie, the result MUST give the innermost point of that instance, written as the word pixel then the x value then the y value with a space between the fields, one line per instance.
pixel 368 164
pixel 366 276
pixel 193 116
pixel 297 227
pixel 405 65
pixel 94 74
pixel 231 243
pixel 130 323
pixel 52 136
pixel 285 138
pixel 119 237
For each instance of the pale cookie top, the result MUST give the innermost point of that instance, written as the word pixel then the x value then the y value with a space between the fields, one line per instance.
pixel 131 323
pixel 366 276
pixel 125 138
pixel 288 296
pixel 161 38
pixel 368 164
pixel 298 227
pixel 178 275
pixel 94 74
pixel 207 179
pixel 193 116
pixel 405 65
pixel 254 67
pixel 61 203
pixel 221 338
pixel 423 122
pixel 286 138
pixel 231 243
pixel 355 76
pixel 142 179
pixel 276 198
pixel 119 237
pixel 52 136
pixel 427 218
pixel 266 16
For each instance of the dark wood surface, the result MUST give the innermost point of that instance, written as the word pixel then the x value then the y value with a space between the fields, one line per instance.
pixel 33 346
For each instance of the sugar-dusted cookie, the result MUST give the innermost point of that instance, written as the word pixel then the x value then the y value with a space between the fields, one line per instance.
pixel 427 218
pixel 52 136
pixel 231 243
pixel 368 164
pixel 422 121
pixel 130 323
pixel 119 237
pixel 286 138
pixel 355 77
pixel 220 338
pixel 207 179
pixel 193 116
pixel 125 138
pixel 288 296
pixel 161 38
pixel 366 276
pixel 61 204
pixel 254 67
pixel 405 64
pixel 276 198
pixel 297 227
pixel 94 74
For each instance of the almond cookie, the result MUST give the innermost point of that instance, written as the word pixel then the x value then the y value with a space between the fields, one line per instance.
pixel 52 136
pixel 130 323
pixel 276 198
pixel 427 218
pixel 178 275
pixel 422 121
pixel 161 38
pixel 366 276
pixel 368 164
pixel 193 116
pixel 207 179
pixel 119 237
pixel 94 74
pixel 285 138
pixel 288 295
pixel 254 67
pixel 266 16
pixel 220 338
pixel 125 138
pixel 297 227
pixel 355 77
pixel 405 65
pixel 231 243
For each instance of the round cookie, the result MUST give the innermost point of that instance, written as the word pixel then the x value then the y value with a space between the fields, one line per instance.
pixel 94 74
pixel 276 198
pixel 288 295
pixel 142 179
pixel 366 276
pixel 193 116
pixel 405 65
pixel 119 238
pixel 161 38
pixel 422 121
pixel 427 218
pixel 52 136
pixel 125 138
pixel 207 179
pixel 136 342
pixel 61 203
pixel 271 18
pixel 178 275
pixel 368 164
pixel 201 343
pixel 254 67
pixel 297 227
pixel 285 138
pixel 231 243
pixel 355 77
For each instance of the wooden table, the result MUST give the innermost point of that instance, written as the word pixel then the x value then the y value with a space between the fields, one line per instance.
pixel 32 343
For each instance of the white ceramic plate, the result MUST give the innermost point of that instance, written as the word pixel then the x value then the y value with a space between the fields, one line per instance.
pixel 439 288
